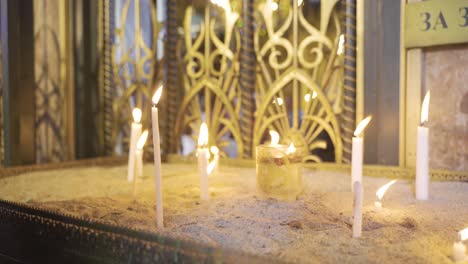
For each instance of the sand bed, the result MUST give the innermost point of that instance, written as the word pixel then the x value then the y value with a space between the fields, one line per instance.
pixel 315 228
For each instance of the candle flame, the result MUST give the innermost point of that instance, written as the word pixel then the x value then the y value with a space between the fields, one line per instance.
pixel 222 3
pixel 142 140
pixel 463 234
pixel 340 45
pixel 425 108
pixel 308 96
pixel 203 135
pixel 361 126
pixel 274 6
pixel 381 191
pixel 210 167
pixel 291 149
pixel 274 137
pixel 278 101
pixel 214 150
pixel 136 113
pixel 157 95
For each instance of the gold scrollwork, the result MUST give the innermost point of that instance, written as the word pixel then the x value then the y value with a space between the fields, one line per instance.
pixel 298 91
pixel 211 87
pixel 133 63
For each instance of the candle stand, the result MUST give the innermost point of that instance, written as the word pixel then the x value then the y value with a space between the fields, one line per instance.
pixel 50 229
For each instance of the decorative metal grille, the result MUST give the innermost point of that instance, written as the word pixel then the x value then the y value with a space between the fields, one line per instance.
pixel 299 78
pixel 299 88
pixel 134 66
pixel 211 70
pixel 50 84
pixel 298 58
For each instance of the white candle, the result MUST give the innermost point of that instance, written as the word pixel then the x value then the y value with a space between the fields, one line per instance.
pixel 139 154
pixel 157 158
pixel 377 206
pixel 202 154
pixel 380 193
pixel 356 163
pixel 138 163
pixel 139 159
pixel 422 153
pixel 357 220
pixel 459 249
pixel 134 135
pixel 215 151
pixel 357 152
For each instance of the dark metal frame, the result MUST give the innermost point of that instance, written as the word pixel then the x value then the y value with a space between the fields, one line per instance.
pixel 18 81
pixel 86 101
pixel 349 102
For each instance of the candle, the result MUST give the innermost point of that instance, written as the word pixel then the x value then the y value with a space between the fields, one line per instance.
pixel 139 159
pixel 380 193
pixel 279 169
pixel 422 153
pixel 459 249
pixel 134 135
pixel 357 152
pixel 215 151
pixel 357 212
pixel 203 154
pixel 157 158
pixel 139 154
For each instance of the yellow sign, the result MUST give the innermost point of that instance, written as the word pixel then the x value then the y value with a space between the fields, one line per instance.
pixel 436 22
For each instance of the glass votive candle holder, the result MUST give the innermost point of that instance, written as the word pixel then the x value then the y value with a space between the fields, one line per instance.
pixel 279 171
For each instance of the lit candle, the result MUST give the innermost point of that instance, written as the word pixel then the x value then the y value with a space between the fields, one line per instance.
pixel 357 212
pixel 134 135
pixel 203 154
pixel 380 193
pixel 279 169
pixel 139 154
pixel 215 151
pixel 157 158
pixel 459 249
pixel 139 159
pixel 357 152
pixel 422 153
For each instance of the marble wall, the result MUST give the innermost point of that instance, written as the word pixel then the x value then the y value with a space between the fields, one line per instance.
pixel 446 75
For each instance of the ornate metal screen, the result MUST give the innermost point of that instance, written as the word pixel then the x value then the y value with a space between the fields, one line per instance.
pixel 298 80
pixel 299 83
pixel 211 69
pixel 133 73
pixel 284 72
